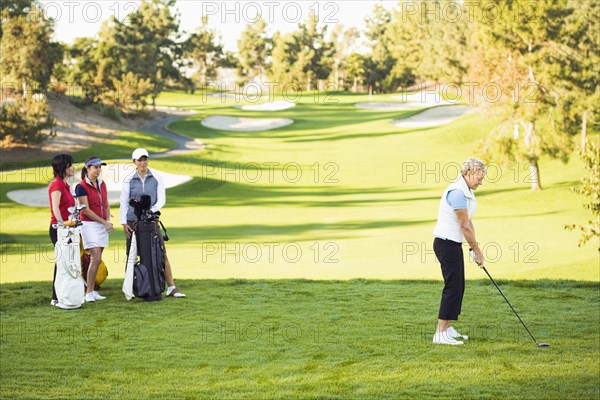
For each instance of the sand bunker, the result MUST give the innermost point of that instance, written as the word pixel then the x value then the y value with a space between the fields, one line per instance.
pixel 112 174
pixel 237 124
pixel 425 99
pixel 270 106
pixel 408 102
pixel 432 117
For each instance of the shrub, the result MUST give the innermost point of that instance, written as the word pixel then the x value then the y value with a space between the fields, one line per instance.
pixel 25 122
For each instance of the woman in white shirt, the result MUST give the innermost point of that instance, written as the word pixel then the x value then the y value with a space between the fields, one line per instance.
pixel 454 226
pixel 144 181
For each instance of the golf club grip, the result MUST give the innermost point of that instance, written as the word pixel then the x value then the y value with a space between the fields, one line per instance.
pixel 508 302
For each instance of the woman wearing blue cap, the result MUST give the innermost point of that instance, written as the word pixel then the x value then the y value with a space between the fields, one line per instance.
pixel 92 192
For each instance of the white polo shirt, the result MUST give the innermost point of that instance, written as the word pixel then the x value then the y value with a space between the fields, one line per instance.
pixel 447 226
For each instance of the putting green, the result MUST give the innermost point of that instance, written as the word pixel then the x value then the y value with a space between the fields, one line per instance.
pixel 340 194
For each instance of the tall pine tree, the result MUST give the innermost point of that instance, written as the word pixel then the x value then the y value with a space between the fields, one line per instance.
pixel 147 45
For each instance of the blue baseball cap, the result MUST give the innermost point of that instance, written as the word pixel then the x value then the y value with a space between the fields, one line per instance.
pixel 95 162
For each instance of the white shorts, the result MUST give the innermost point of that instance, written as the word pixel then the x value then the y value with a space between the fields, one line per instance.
pixel 94 235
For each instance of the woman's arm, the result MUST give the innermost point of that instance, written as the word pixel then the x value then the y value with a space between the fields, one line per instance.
pixel 55 198
pixel 468 231
pixel 124 202
pixel 109 228
pixel 161 196
pixel 124 207
pixel 107 205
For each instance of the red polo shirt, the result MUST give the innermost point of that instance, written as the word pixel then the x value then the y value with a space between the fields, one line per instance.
pixel 66 199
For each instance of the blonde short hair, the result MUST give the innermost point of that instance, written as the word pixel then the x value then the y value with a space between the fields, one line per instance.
pixel 473 165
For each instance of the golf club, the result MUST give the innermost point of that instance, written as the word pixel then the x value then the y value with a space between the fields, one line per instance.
pixel 511 307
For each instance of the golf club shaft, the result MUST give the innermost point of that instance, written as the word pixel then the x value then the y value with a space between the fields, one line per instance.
pixel 508 302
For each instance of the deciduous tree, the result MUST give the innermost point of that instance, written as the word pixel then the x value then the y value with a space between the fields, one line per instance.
pixel 28 54
pixel 512 53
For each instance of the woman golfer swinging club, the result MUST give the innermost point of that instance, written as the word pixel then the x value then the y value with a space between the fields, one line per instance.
pixel 457 207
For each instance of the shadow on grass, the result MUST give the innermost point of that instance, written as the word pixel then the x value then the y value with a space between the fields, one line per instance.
pixel 16 297
pixel 525 188
pixel 237 194
pixel 493 191
pixel 249 232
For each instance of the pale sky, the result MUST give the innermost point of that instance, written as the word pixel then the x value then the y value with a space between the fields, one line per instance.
pixel 84 18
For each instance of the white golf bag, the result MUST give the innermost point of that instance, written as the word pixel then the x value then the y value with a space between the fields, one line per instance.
pixel 69 283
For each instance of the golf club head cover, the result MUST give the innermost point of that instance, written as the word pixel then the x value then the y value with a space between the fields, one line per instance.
pixel 137 208
pixel 145 202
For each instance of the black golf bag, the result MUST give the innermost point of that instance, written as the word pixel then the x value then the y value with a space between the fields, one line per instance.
pixel 149 271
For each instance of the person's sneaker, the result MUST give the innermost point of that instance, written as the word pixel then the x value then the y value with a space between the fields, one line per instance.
pixel 54 303
pixel 453 333
pixel 444 338
pixel 89 297
pixel 97 296
pixel 175 293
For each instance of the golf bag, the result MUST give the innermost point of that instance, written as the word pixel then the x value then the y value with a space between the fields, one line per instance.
pixel 149 271
pixel 69 284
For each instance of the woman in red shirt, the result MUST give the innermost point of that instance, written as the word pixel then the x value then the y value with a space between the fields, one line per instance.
pixel 60 199
pixel 92 192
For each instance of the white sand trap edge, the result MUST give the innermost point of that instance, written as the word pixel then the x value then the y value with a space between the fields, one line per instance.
pixel 425 99
pixel 432 117
pixel 113 175
pixel 270 106
pixel 226 123
pixel 389 106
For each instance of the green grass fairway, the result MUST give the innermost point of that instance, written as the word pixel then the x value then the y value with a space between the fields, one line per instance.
pixel 299 339
pixel 367 189
pixel 340 194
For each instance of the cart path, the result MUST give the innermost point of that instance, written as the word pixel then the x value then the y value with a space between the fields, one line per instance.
pixel 183 144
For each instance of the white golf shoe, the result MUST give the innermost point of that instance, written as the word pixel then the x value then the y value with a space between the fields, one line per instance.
pixel 97 296
pixel 445 338
pixel 454 334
